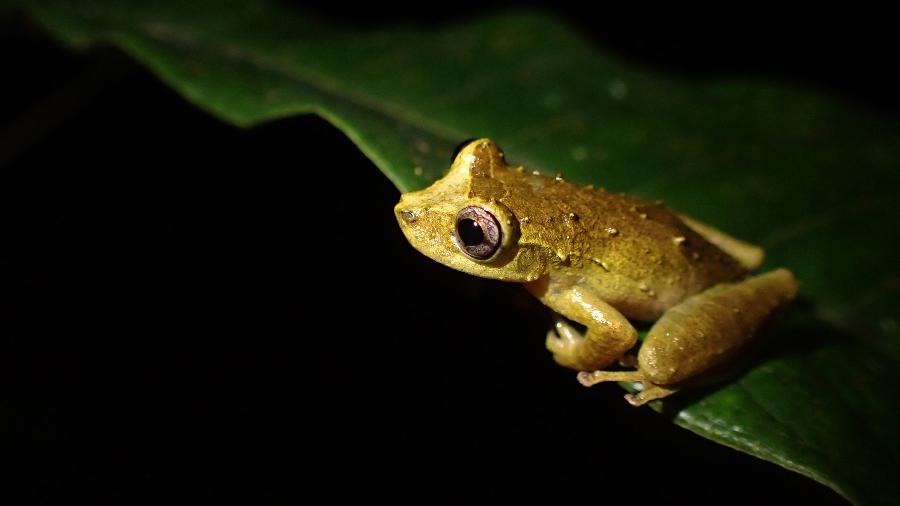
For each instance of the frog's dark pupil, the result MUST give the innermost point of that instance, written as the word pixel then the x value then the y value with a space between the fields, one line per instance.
pixel 470 232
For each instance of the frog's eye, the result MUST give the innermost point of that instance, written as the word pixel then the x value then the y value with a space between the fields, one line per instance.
pixel 477 232
pixel 459 147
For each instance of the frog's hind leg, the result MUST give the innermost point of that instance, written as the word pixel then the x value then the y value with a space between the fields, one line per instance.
pixel 592 378
pixel 648 392
pixel 749 255
pixel 710 329
pixel 701 334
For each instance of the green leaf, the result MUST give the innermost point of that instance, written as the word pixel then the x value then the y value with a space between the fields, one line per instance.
pixel 807 177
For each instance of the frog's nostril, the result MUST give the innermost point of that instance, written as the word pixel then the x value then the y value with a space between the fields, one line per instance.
pixel 407 215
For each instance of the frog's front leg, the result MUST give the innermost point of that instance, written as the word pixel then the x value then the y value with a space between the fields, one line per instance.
pixel 704 331
pixel 609 334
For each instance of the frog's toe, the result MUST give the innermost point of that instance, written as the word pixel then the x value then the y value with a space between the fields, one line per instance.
pixel 567 332
pixel 563 349
pixel 649 392
pixel 555 343
pixel 592 378
pixel 562 338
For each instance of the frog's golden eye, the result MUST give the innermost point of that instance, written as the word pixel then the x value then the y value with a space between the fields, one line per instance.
pixel 477 232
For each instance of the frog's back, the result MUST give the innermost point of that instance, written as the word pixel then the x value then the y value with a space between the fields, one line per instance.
pixel 638 255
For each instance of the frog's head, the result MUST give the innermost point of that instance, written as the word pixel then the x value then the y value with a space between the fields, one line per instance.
pixel 461 222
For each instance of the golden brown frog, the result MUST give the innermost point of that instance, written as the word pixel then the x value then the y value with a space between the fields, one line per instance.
pixel 599 259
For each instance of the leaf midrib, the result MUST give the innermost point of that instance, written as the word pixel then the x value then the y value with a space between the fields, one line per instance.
pixel 169 33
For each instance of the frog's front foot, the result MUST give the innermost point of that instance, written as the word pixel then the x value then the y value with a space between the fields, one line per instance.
pixel 563 341
pixel 602 344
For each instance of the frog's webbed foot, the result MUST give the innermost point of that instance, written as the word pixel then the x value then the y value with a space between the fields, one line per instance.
pixel 649 391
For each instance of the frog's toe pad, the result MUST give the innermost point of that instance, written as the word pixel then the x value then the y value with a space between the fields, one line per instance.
pixel 563 350
pixel 567 332
pixel 563 340
pixel 562 337
pixel 554 343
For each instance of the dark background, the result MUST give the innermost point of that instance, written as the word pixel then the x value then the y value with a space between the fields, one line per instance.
pixel 199 312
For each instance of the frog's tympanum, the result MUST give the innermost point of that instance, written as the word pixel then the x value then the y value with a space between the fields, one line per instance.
pixel 600 259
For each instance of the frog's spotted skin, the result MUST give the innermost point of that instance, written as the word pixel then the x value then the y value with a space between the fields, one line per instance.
pixel 599 259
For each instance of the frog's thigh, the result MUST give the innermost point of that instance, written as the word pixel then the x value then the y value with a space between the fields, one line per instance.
pixel 609 334
pixel 749 255
pixel 711 327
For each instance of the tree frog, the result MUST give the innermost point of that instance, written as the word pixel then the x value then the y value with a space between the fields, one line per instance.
pixel 600 259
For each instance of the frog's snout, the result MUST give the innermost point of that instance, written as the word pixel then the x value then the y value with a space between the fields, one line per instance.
pixel 405 213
